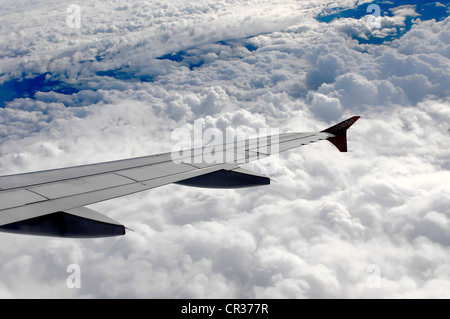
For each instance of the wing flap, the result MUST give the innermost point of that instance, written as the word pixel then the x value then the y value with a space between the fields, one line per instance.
pixel 61 174
pixel 294 141
pixel 155 171
pixel 79 185
pixel 18 197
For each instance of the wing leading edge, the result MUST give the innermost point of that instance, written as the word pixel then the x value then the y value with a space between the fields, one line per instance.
pixel 51 203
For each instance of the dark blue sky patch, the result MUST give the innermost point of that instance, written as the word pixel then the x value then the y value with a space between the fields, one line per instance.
pixel 192 58
pixel 239 43
pixel 175 56
pixel 184 57
pixel 427 10
pixel 127 74
pixel 251 47
pixel 27 88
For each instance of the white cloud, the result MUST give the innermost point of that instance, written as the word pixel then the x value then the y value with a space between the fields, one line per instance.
pixel 405 10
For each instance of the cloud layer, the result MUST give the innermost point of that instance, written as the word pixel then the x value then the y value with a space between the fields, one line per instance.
pixel 330 226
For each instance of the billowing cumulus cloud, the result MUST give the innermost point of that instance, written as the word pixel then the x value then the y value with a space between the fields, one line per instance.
pixel 373 222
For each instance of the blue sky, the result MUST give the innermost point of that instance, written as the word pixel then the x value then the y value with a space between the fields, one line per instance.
pixel 135 71
pixel 425 10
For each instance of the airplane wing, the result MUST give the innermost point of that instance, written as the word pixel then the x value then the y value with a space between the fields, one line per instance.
pixel 52 202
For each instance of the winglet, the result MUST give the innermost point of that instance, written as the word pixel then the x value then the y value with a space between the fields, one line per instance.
pixel 340 133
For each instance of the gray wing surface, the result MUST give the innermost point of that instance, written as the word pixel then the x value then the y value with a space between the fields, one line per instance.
pixel 52 202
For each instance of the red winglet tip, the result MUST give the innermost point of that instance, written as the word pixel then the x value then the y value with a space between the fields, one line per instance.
pixel 340 142
pixel 341 127
pixel 340 133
